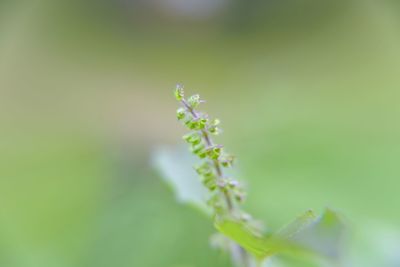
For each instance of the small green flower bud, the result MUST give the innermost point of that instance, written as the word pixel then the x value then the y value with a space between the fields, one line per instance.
pixel 227 160
pixel 192 138
pixel 196 140
pixel 194 101
pixel 196 125
pixel 214 130
pixel 239 196
pixel 214 152
pixel 215 122
pixel 181 113
pixel 189 136
pixel 202 154
pixel 197 149
pixel 202 123
pixel 204 169
pixel 191 124
pixel 209 182
pixel 179 92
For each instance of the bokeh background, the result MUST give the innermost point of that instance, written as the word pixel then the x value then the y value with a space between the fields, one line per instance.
pixel 307 92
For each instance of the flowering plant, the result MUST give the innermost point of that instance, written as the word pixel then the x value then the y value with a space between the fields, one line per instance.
pixel 238 233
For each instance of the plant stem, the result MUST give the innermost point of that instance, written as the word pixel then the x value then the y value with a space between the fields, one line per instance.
pixel 245 256
pixel 216 163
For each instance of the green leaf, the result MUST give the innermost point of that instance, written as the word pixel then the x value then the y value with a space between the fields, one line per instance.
pixel 300 223
pixel 175 168
pixel 306 234
pixel 247 238
pixel 262 246
pixel 324 236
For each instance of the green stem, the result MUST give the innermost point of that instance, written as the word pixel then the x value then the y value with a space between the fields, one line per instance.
pixel 245 256
pixel 217 166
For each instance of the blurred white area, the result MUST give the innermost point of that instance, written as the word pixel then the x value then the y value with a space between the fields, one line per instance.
pixel 196 8
pixel 192 9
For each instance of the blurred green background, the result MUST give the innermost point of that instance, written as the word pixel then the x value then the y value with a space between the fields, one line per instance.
pixel 307 92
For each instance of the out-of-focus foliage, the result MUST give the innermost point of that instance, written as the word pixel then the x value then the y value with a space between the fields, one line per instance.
pixel 321 237
pixel 177 169
pixel 308 93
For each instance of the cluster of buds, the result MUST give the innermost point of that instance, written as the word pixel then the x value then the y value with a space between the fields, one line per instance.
pixel 225 191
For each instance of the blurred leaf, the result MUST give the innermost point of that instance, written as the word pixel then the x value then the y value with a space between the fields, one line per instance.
pixel 244 236
pixel 299 224
pixel 323 236
pixel 305 234
pixel 262 246
pixel 375 243
pixel 175 168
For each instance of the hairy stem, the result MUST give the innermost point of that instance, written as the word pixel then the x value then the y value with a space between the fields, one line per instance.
pixel 245 257
pixel 216 164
